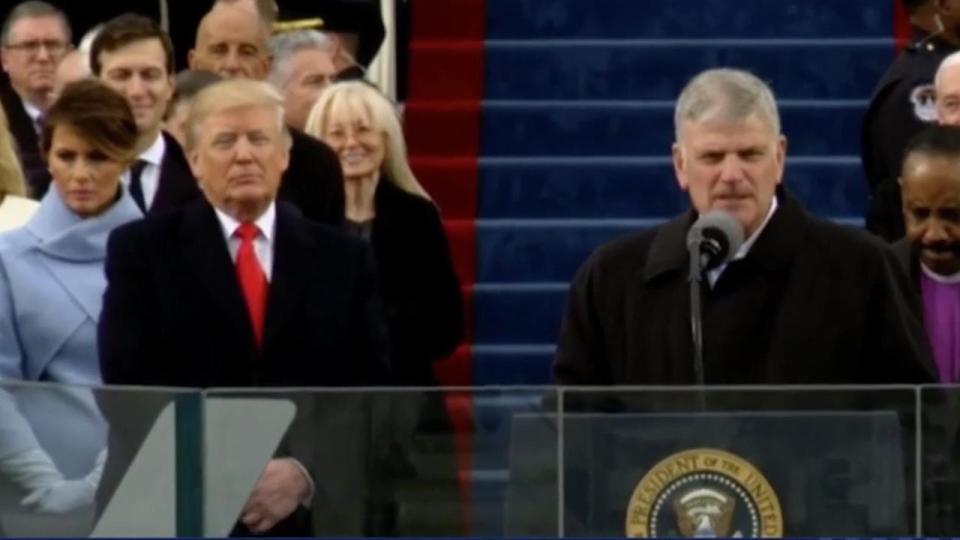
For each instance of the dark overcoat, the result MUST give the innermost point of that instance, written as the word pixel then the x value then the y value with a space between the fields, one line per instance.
pixel 174 316
pixel 811 303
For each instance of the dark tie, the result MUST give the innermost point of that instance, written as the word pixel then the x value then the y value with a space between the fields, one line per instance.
pixel 252 280
pixel 136 186
pixel 39 123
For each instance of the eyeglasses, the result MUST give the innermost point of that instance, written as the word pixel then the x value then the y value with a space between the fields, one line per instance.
pixel 53 47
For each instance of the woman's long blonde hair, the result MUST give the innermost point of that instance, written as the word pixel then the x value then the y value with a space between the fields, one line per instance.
pixel 11 175
pixel 358 96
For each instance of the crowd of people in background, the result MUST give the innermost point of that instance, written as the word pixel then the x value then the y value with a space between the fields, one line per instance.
pixel 250 221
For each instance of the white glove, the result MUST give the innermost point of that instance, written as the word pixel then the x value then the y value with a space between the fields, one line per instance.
pixel 49 492
pixel 31 469
pixel 67 495
pixel 62 497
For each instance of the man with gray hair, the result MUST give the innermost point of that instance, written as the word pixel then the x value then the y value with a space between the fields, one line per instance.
pixel 35 37
pixel 303 65
pixel 946 84
pixel 803 300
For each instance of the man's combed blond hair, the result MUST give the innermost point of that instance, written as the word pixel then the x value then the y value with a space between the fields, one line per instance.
pixel 233 94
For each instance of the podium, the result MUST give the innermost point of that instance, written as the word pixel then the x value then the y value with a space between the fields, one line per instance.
pixel 723 474
pixel 524 462
pixel 737 461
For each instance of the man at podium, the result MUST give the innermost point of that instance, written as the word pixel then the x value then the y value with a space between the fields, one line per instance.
pixel 802 301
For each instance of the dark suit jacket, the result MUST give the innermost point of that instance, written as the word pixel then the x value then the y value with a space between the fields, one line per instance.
pixel 174 315
pixel 418 283
pixel 942 432
pixel 908 258
pixel 177 185
pixel 28 144
pixel 811 303
pixel 424 309
pixel 313 181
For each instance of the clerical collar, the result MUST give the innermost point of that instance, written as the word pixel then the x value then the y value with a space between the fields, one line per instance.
pixel 952 278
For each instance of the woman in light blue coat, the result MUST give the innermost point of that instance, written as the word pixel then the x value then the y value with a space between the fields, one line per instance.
pixel 52 439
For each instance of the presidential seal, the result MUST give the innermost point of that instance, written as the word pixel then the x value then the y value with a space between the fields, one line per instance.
pixel 704 493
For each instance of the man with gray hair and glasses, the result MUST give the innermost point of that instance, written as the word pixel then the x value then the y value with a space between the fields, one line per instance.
pixel 803 300
pixel 35 37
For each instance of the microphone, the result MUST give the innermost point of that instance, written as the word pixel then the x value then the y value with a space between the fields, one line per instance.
pixel 714 238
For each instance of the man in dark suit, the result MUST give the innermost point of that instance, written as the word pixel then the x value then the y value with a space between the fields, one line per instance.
pixel 232 41
pixel 930 252
pixel 35 37
pixel 237 289
pixel 134 56
pixel 804 301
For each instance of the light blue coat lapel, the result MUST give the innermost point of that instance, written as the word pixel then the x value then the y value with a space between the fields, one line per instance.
pixel 55 267
pixel 70 246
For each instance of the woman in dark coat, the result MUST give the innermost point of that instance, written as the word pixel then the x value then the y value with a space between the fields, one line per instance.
pixel 420 290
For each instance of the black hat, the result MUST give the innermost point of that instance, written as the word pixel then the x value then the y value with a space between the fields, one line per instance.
pixel 360 17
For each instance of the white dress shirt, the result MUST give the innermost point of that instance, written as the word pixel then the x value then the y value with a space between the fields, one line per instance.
pixel 150 176
pixel 34 113
pixel 262 245
pixel 714 275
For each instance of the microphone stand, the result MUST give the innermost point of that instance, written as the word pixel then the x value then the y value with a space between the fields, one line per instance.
pixel 696 313
pixel 696 317
pixel 710 240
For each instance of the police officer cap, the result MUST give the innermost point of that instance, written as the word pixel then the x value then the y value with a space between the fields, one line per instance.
pixel 360 17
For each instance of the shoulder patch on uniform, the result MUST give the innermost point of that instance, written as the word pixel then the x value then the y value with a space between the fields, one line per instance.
pixel 924 103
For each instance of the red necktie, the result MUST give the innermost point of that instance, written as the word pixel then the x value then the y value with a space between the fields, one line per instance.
pixel 252 279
